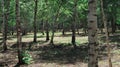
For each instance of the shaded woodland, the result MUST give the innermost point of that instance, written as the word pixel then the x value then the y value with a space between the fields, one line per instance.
pixel 59 33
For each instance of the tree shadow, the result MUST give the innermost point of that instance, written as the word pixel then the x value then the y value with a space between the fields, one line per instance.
pixel 41 36
pixel 63 54
pixel 28 45
pixel 69 35
pixel 113 38
pixel 4 64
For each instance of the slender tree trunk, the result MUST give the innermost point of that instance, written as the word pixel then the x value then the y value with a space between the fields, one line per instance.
pixel 53 27
pixel 19 37
pixel 5 20
pixel 43 28
pixel 92 34
pixel 74 23
pixel 24 32
pixel 63 30
pixel 47 24
pixel 78 31
pixel 24 29
pixel 113 25
pixel 78 23
pixel 47 31
pixel 52 37
pixel 12 31
pixel 34 23
pixel 113 18
pixel 106 33
pixel 85 31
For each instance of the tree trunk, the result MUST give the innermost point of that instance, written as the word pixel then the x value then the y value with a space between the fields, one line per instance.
pixel 34 23
pixel 78 31
pixel 92 34
pixel 24 29
pixel 24 32
pixel 63 30
pixel 106 33
pixel 74 23
pixel 47 24
pixel 113 24
pixel 19 37
pixel 47 31
pixel 78 23
pixel 113 18
pixel 53 27
pixel 43 28
pixel 12 32
pixel 5 21
pixel 52 37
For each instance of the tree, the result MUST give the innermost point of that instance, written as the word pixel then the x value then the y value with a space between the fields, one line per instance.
pixel 74 23
pixel 19 37
pixel 34 23
pixel 111 10
pixel 106 33
pixel 92 34
pixel 46 23
pixel 55 21
pixel 47 31
pixel 5 22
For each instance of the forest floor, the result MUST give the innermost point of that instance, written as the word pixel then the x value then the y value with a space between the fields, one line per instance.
pixel 63 54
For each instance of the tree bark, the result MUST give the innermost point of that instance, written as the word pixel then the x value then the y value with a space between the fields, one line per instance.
pixel 92 34
pixel 19 37
pixel 53 27
pixel 47 31
pixel 12 32
pixel 74 24
pixel 63 29
pixel 47 24
pixel 43 25
pixel 106 34
pixel 78 31
pixel 113 25
pixel 5 21
pixel 113 18
pixel 24 28
pixel 34 23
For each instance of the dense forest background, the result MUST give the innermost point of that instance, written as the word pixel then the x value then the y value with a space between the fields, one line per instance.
pixel 55 33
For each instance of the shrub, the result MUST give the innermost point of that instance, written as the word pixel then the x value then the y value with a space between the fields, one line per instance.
pixel 27 58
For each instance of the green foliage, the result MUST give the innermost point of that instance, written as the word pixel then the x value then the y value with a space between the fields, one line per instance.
pixel 11 23
pixel 118 22
pixel 27 58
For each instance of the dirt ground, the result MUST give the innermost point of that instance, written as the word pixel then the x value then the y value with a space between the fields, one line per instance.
pixel 63 55
pixel 45 56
